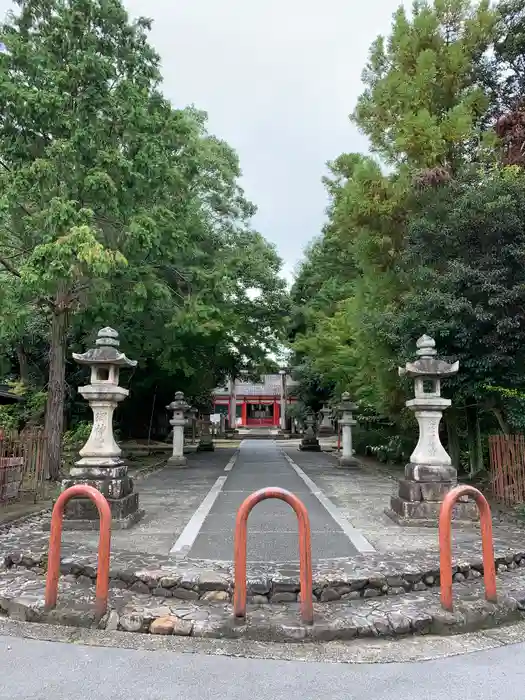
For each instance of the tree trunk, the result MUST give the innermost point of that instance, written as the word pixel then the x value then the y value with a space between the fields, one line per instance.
pixel 54 421
pixel 475 445
pixel 504 426
pixel 23 364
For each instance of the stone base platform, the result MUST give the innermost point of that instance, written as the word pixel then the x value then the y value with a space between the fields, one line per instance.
pixel 205 447
pixel 22 598
pixel 82 514
pixel 177 462
pixel 348 463
pixel 90 525
pixel 310 446
pixel 427 512
pixel 423 522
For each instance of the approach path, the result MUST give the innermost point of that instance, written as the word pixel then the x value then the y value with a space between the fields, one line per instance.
pixel 272 525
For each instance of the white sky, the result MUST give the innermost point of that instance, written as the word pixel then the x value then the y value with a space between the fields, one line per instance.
pixel 278 79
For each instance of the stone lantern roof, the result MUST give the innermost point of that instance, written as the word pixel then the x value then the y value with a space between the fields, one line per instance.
pixel 346 404
pixel 427 365
pixel 106 351
pixel 179 403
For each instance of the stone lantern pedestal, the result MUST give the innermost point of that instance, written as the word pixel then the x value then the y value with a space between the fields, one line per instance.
pixel 178 421
pixel 100 464
pixel 347 422
pixel 429 475
pixel 309 442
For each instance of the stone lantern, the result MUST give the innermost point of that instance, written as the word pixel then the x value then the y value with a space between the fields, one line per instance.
pixel 309 442
pixel 100 463
pixel 347 422
pixel 178 421
pixel 326 427
pixel 429 475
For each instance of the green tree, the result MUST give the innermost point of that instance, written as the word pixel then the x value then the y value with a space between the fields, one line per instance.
pixel 424 102
pixel 463 263
pixel 117 208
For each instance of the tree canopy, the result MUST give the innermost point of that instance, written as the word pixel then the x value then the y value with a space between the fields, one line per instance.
pixel 425 234
pixel 116 208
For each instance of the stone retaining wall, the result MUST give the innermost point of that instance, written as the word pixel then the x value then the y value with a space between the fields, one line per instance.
pixel 194 582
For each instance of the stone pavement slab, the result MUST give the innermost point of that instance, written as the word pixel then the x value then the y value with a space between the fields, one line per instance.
pixel 272 527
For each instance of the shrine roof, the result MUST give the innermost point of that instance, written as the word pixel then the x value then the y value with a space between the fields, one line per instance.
pixel 269 386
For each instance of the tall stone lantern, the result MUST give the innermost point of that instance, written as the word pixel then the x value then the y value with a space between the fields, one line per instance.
pixel 429 475
pixel 347 422
pixel 178 421
pixel 100 464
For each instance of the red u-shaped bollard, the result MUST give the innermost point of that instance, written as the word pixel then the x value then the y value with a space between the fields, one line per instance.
pixel 445 543
pixel 305 550
pixel 104 544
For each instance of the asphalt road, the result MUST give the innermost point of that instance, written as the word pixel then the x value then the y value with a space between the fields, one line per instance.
pixel 272 526
pixel 36 670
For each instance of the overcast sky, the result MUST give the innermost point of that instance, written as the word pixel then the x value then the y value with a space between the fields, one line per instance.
pixel 278 79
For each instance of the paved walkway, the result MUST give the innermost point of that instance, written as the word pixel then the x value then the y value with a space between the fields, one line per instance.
pixel 272 526
pixel 169 497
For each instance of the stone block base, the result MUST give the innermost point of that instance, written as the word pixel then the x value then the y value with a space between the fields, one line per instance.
pixel 123 524
pixel 310 445
pixel 82 514
pixel 424 490
pixel 430 472
pixel 177 462
pixel 206 446
pixel 112 488
pixel 348 463
pixel 426 513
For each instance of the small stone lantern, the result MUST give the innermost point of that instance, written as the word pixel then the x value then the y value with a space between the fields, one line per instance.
pixel 309 442
pixel 192 418
pixel 206 438
pixel 347 422
pixel 178 421
pixel 326 427
pixel 100 463
pixel 429 475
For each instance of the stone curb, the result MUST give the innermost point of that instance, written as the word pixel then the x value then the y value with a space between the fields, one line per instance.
pixel 21 599
pixel 195 580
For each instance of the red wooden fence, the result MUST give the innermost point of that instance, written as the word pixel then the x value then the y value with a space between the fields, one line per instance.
pixel 507 468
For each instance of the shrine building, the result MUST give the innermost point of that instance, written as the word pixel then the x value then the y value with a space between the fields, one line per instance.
pixel 258 405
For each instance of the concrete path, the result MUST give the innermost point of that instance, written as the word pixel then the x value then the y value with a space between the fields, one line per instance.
pixel 36 670
pixel 169 498
pixel 272 526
